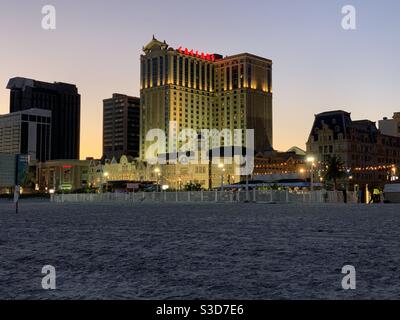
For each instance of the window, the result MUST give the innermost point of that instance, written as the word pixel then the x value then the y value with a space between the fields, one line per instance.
pixel 228 78
pixel 235 77
pixel 161 71
pixel 175 66
pixel 191 74
pixel 143 74
pixel 249 74
pixel 148 72
pixel 241 76
pixel 180 71
pixel 166 68
pixel 186 72
pixel 154 71
pixel 203 76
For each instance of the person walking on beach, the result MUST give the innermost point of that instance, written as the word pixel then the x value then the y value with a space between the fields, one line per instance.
pixel 17 191
pixel 360 195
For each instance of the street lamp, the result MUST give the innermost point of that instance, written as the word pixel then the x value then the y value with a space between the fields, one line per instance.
pixel 394 174
pixel 311 160
pixel 350 178
pixel 221 166
pixel 105 175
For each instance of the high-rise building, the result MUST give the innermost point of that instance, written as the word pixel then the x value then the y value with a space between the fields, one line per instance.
pixel 64 102
pixel 121 126
pixel 205 91
pixel 26 132
pixel 391 127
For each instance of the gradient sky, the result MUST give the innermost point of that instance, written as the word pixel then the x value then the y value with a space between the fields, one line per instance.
pixel 318 66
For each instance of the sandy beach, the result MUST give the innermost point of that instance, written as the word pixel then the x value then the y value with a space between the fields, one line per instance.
pixel 199 251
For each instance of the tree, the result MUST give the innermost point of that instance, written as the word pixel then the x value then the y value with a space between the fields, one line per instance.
pixel 334 170
pixel 29 178
pixel 190 186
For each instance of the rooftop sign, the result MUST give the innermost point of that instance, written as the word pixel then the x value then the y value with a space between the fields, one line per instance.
pixel 197 54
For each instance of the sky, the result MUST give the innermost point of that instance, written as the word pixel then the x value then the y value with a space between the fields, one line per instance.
pixel 318 66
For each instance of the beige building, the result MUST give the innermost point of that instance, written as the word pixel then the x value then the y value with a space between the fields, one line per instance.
pixel 205 91
pixel 175 176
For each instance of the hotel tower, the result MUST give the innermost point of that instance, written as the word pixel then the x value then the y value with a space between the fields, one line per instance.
pixel 205 91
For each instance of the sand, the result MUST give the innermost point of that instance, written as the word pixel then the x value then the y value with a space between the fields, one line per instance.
pixel 199 251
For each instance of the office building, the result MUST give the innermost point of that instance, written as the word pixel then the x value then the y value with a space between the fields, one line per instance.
pixel 64 102
pixel 121 126
pixel 26 132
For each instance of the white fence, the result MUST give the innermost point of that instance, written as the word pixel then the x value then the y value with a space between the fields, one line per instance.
pixel 267 196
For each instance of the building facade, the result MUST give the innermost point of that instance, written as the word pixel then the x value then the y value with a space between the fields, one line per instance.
pixel 26 132
pixel 14 170
pixel 121 126
pixel 390 127
pixel 8 167
pixel 64 102
pixel 175 176
pixel 369 157
pixel 62 175
pixel 273 164
pixel 204 91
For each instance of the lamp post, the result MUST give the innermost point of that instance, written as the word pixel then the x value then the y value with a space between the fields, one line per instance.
pixel 221 166
pixel 350 178
pixel 106 174
pixel 394 176
pixel 179 184
pixel 311 160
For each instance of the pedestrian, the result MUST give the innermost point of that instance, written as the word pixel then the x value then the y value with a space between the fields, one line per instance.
pixel 17 191
pixel 360 196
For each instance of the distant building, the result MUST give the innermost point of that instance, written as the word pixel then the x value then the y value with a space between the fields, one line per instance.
pixel 13 170
pixel 390 127
pixel 8 166
pixel 368 155
pixel 64 102
pixel 121 126
pixel 205 91
pixel 62 175
pixel 26 132
pixel 272 164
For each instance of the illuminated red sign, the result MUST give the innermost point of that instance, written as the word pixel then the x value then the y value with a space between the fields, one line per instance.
pixel 67 167
pixel 197 54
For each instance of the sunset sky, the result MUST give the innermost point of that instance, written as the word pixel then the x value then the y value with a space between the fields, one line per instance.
pixel 318 66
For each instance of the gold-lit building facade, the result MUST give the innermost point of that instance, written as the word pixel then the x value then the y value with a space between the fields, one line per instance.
pixel 205 91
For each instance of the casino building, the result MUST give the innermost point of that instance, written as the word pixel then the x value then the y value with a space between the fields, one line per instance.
pixel 205 91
